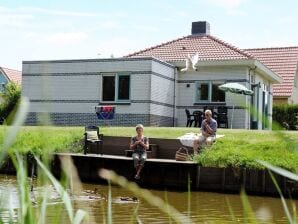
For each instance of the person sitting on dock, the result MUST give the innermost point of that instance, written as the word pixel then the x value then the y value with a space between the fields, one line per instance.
pixel 208 129
pixel 139 144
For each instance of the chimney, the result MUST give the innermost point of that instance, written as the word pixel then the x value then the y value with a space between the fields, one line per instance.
pixel 200 28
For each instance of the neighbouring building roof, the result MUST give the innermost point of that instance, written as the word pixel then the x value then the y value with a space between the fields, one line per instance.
pixel 208 48
pixel 13 75
pixel 281 60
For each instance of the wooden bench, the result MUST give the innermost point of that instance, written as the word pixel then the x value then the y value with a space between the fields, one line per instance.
pixel 151 152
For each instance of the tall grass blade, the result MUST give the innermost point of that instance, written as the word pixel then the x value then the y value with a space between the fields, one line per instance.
pixel 43 207
pixel 188 196
pixel 232 215
pixel 139 221
pixel 146 195
pixel 26 215
pixel 248 213
pixel 104 220
pixel 134 217
pixel 14 129
pixel 294 213
pixel 109 221
pixel 279 170
pixel 79 217
pixel 63 194
pixel 167 204
pixel 10 206
pixel 283 201
pixel 75 185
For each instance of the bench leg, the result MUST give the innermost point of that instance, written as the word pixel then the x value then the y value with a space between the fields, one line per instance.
pixel 97 147
pixel 100 147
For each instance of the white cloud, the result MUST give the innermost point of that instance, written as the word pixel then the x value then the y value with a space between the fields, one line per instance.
pixel 66 38
pixel 27 16
pixel 56 12
pixel 228 4
pixel 145 28
pixel 232 7
pixel 11 18
pixel 119 46
pixel 108 25
pixel 287 20
pixel 59 38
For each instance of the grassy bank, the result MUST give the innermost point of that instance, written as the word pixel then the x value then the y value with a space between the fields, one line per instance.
pixel 238 148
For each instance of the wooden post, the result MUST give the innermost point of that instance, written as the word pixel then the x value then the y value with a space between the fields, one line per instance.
pixel 263 181
pixel 223 179
pixel 198 176
pixel 244 178
pixel 284 187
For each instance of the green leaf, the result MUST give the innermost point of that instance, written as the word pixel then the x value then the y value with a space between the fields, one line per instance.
pixel 279 170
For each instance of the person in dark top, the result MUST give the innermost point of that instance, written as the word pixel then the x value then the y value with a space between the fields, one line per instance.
pixel 139 144
pixel 208 129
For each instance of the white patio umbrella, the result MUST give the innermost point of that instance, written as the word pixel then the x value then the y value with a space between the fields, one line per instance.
pixel 236 88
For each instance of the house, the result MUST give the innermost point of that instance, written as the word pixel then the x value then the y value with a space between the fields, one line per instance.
pixel 9 75
pixel 150 86
pixel 284 62
pixel 141 89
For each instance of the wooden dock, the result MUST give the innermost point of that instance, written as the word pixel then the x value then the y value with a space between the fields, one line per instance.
pixel 163 172
pixel 157 173
pixel 170 174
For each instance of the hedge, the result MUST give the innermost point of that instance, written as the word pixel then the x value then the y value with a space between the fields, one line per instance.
pixel 286 116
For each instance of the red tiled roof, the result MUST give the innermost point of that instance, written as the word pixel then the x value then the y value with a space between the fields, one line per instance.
pixel 13 75
pixel 207 46
pixel 281 60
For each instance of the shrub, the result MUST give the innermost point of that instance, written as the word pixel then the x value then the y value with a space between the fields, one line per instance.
pixel 286 115
pixel 10 97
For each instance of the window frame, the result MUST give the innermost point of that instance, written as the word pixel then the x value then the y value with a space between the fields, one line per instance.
pixel 116 90
pixel 210 83
pixel 117 87
pixel 198 95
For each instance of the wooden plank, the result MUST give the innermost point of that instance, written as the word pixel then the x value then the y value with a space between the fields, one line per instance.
pixel 223 180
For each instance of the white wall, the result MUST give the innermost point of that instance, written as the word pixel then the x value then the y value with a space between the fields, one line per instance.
pixel 186 97
pixel 162 90
pixel 52 85
pixel 86 66
pixel 261 80
pixel 294 97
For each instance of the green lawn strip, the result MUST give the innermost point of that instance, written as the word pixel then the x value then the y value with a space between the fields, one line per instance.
pixel 238 148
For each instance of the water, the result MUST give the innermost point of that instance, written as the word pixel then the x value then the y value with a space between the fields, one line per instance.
pixel 205 207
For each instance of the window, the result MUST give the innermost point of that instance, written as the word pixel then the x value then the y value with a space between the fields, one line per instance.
pixel 209 92
pixel 123 87
pixel 108 88
pixel 217 94
pixel 115 85
pixel 203 92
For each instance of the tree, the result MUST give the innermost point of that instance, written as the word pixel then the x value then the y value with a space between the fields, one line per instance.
pixel 10 96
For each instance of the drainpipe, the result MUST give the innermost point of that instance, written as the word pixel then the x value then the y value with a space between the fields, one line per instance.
pixel 174 97
pixel 258 86
pixel 252 86
pixel 250 101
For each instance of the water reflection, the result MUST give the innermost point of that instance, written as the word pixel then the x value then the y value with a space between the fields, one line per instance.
pixel 204 207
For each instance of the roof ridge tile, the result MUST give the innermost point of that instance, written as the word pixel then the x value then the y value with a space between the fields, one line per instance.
pixel 246 54
pixel 267 48
pixel 156 46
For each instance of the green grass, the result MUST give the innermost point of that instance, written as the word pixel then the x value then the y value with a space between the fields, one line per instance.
pixel 238 148
pixel 42 140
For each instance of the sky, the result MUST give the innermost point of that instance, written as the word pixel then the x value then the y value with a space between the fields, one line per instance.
pixel 77 29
